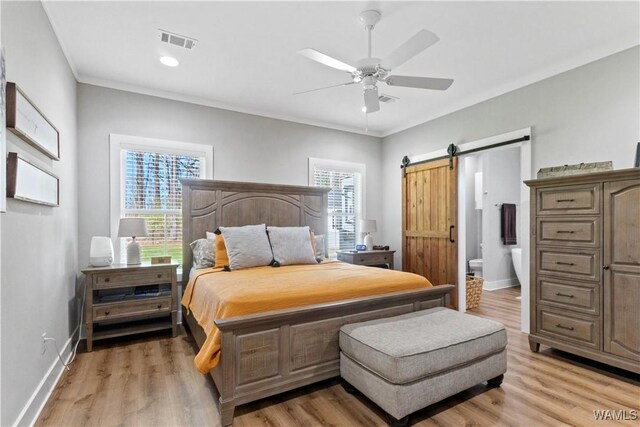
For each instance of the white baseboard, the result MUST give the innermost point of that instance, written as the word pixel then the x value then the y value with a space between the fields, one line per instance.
pixel 31 411
pixel 500 284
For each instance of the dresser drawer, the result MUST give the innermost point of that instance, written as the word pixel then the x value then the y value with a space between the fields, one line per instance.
pixel 583 297
pixel 581 264
pixel 558 323
pixel 569 231
pixel 575 199
pixel 143 307
pixel 134 278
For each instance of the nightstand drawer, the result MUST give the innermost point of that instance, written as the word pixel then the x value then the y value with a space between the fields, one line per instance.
pixel 133 278
pixel 583 330
pixel 142 307
pixel 366 258
pixel 575 199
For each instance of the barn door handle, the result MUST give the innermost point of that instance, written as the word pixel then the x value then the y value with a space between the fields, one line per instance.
pixel 451 227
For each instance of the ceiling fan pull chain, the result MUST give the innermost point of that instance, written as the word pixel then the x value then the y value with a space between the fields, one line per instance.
pixel 369 32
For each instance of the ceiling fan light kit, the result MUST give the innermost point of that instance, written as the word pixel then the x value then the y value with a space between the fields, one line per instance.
pixel 369 71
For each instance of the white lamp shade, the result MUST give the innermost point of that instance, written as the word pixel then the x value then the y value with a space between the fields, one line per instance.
pixel 368 226
pixel 132 227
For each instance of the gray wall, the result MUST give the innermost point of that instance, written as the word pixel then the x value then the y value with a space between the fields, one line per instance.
pixel 39 244
pixel 246 148
pixel 588 114
pixel 500 184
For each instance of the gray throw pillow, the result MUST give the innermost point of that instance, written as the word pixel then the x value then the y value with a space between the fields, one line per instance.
pixel 247 246
pixel 291 245
pixel 203 253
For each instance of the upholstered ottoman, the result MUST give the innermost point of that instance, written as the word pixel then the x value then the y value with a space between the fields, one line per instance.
pixel 408 362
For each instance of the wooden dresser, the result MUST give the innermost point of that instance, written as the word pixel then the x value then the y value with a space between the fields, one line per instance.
pixel 585 266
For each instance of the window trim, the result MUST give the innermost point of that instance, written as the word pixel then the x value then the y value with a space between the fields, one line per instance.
pixel 348 167
pixel 117 143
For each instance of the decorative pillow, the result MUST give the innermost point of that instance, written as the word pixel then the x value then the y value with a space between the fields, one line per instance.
pixel 221 257
pixel 291 245
pixel 247 246
pixel 318 246
pixel 203 255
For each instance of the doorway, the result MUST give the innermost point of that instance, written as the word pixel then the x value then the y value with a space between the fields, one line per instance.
pixel 497 165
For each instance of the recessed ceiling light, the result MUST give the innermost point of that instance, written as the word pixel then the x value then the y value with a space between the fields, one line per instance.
pixel 169 61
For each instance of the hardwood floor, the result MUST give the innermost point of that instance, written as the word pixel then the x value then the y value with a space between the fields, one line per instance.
pixel 151 381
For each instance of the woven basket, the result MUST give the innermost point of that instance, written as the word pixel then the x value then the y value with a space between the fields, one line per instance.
pixel 474 291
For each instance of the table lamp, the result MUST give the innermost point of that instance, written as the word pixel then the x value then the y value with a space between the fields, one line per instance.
pixel 368 226
pixel 133 227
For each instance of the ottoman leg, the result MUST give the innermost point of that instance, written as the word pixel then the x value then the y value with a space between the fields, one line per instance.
pixel 394 422
pixel 348 387
pixel 495 382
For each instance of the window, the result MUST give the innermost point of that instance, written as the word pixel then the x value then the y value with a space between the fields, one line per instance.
pixel 346 199
pixel 145 184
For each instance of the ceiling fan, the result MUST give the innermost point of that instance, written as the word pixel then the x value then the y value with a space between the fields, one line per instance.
pixel 369 71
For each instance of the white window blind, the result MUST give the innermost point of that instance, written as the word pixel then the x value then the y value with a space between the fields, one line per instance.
pixel 345 204
pixel 151 189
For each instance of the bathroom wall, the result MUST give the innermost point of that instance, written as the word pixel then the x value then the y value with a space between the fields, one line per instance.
pixel 501 184
pixel 473 222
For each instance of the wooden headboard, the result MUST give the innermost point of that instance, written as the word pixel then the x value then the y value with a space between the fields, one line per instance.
pixel 208 204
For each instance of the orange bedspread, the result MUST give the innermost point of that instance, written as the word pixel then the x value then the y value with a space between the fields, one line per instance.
pixel 215 294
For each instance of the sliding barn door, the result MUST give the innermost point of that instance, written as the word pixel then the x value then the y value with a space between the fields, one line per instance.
pixel 429 222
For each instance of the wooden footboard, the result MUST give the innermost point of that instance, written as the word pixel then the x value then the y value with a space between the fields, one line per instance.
pixel 269 353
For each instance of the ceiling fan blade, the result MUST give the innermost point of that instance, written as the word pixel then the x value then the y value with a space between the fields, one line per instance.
pixel 419 82
pixel 371 102
pixel 326 60
pixel 326 87
pixel 409 49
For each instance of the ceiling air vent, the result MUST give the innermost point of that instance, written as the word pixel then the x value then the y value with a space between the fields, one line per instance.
pixel 177 40
pixel 387 98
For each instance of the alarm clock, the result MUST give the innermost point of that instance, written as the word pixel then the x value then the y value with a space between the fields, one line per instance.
pixel 361 247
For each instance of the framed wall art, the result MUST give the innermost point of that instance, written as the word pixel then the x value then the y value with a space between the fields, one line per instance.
pixel 30 183
pixel 28 123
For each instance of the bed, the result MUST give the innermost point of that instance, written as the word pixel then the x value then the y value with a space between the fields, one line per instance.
pixel 262 354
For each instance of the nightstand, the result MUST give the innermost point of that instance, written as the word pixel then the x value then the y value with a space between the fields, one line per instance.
pixel 130 299
pixel 370 258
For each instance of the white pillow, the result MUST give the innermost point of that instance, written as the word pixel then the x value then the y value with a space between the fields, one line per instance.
pixel 247 246
pixel 291 245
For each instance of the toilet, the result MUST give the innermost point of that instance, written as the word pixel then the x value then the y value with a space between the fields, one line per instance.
pixel 475 265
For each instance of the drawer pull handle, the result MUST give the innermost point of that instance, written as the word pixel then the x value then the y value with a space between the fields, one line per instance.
pixel 159 276
pixel 564 295
pixel 565 200
pixel 565 231
pixel 605 267
pixel 106 313
pixel 361 259
pixel 159 306
pixel 564 263
pixel 568 328
pixel 107 279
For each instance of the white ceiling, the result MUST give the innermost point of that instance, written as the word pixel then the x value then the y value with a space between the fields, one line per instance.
pixel 245 59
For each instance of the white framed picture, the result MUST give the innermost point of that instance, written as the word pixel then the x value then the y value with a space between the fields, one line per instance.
pixel 29 124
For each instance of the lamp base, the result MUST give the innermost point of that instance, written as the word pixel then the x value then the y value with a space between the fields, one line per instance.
pixel 133 253
pixel 368 241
